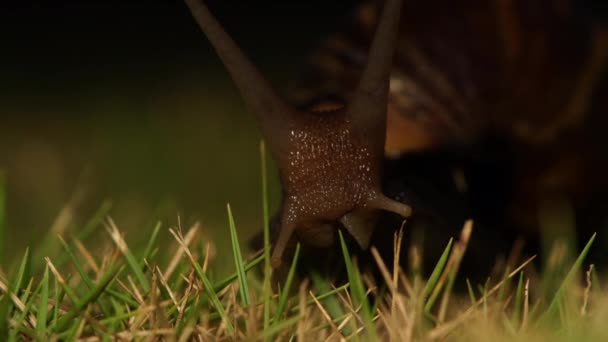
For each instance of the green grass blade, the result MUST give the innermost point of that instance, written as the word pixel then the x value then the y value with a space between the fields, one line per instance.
pixel 58 291
pixel 519 297
pixel 79 268
pixel 23 271
pixel 484 298
pixel 6 304
pixel 73 332
pixel 212 295
pixel 148 250
pixel 328 292
pixel 66 320
pixel 553 308
pixel 279 327
pixel 238 260
pixel 89 282
pixel 285 294
pixel 28 298
pixel 330 301
pixel 430 285
pixel 87 230
pixel 42 310
pixel 471 292
pixel 267 291
pixel 134 265
pixel 220 285
pixel 358 291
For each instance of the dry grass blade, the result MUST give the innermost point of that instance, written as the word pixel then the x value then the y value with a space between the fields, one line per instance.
pixel 190 235
pixel 587 290
pixel 213 296
pixel 444 329
pixel 524 319
pixel 131 260
pixel 163 281
pixel 453 266
pixel 90 260
pixel 326 315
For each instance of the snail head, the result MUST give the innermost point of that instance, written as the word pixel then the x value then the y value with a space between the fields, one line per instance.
pixel 329 159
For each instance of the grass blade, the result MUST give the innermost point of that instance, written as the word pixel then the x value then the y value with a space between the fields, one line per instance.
pixel 150 245
pixel 79 268
pixel 42 311
pixel 555 304
pixel 267 291
pixel 471 292
pixel 126 252
pixel 213 297
pixel 220 285
pixel 28 298
pixel 279 327
pixel 238 260
pixel 66 320
pixel 57 299
pixel 209 289
pixel 285 294
pixel 358 291
pixel 519 297
pixel 329 300
pixel 6 304
pixel 429 287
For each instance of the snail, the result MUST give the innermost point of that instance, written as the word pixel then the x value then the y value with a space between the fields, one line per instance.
pixel 522 81
pixel 329 160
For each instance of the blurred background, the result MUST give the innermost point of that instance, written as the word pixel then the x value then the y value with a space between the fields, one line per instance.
pixel 127 102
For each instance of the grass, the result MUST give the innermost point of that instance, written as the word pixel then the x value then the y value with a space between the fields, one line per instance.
pixel 105 289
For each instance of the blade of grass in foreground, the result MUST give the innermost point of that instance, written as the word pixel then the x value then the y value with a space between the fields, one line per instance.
pixel 42 313
pixel 87 229
pixel 88 281
pixel 554 306
pixel 6 304
pixel 65 321
pixel 29 302
pixel 471 292
pixel 211 294
pixel 279 327
pixel 150 244
pixel 267 291
pixel 285 294
pixel 238 260
pixel 328 297
pixel 126 252
pixel 519 297
pixel 358 291
pixel 57 298
pixel 434 278
pixel 220 285
pixel 79 267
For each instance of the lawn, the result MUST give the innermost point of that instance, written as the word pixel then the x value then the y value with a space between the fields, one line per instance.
pixel 91 284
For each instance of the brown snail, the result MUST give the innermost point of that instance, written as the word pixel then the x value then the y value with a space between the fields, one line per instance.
pixel 529 74
pixel 329 161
